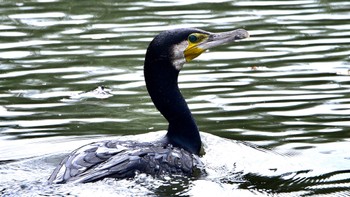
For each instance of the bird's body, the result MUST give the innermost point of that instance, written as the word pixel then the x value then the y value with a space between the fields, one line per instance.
pixel 176 153
pixel 124 159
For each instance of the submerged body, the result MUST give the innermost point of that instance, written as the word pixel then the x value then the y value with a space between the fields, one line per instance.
pixel 178 152
pixel 124 159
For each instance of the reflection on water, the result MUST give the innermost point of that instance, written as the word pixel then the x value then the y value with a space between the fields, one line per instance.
pixel 285 89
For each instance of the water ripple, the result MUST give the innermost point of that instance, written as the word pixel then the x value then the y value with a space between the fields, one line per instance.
pixel 286 88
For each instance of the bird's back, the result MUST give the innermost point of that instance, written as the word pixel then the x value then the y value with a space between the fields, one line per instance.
pixel 123 159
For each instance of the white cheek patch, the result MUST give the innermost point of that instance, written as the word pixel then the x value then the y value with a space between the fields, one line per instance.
pixel 178 56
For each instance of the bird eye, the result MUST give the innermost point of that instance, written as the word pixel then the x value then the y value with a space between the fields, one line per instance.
pixel 192 38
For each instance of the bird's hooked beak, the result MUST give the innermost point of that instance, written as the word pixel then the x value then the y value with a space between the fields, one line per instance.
pixel 199 42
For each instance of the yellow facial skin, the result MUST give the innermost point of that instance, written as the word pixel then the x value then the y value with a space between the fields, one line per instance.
pixel 194 50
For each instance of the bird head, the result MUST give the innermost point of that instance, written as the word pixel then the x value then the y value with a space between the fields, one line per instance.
pixel 183 45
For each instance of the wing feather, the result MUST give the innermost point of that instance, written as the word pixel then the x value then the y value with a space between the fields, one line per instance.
pixel 96 161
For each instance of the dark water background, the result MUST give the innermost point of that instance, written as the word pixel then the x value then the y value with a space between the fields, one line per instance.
pixel 285 90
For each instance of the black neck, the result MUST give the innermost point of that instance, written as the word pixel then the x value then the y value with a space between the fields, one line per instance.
pixel 161 81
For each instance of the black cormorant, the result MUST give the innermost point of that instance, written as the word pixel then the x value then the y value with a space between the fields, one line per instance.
pixel 176 153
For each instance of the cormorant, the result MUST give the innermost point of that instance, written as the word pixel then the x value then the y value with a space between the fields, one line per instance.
pixel 176 153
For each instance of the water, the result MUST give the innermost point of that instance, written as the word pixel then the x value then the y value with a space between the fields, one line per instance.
pixel 274 109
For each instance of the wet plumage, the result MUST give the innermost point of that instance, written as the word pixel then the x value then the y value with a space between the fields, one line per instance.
pixel 123 159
